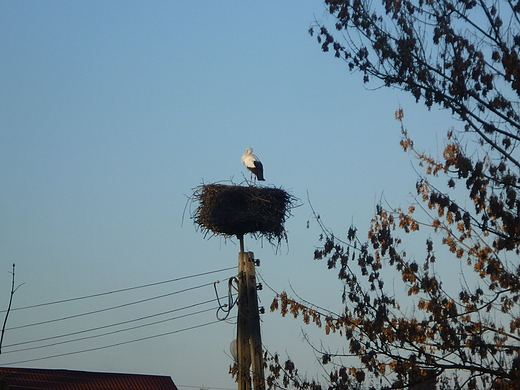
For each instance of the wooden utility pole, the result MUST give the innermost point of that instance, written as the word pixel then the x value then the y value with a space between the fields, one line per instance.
pixel 255 341
pixel 249 341
pixel 243 333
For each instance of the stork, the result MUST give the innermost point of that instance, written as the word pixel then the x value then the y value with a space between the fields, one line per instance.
pixel 253 164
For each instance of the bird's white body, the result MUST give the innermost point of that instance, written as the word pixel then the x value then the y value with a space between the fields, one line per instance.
pixel 253 164
pixel 249 158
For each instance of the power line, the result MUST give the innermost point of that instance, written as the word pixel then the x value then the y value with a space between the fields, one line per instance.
pixel 109 308
pixel 226 308
pixel 51 344
pixel 112 332
pixel 109 326
pixel 205 387
pixel 114 345
pixel 120 290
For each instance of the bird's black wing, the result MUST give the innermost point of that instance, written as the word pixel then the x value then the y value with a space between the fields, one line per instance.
pixel 258 170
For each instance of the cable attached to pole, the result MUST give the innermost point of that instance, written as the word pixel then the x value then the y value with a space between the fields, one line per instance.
pixel 226 308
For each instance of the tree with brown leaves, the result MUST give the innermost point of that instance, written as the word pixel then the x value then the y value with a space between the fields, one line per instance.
pixel 463 56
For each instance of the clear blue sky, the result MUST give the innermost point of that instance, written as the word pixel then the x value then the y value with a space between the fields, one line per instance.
pixel 112 112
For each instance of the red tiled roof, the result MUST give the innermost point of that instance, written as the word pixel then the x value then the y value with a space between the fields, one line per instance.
pixel 40 379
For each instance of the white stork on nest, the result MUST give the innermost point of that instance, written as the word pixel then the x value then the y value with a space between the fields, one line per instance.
pixel 253 164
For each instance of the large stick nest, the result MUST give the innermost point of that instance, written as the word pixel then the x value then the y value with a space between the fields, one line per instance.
pixel 233 210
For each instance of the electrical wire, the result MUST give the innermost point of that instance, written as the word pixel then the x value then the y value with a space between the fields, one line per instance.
pixel 205 387
pixel 109 326
pixel 221 307
pixel 120 290
pixel 110 333
pixel 112 345
pixel 109 308
pixel 226 308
